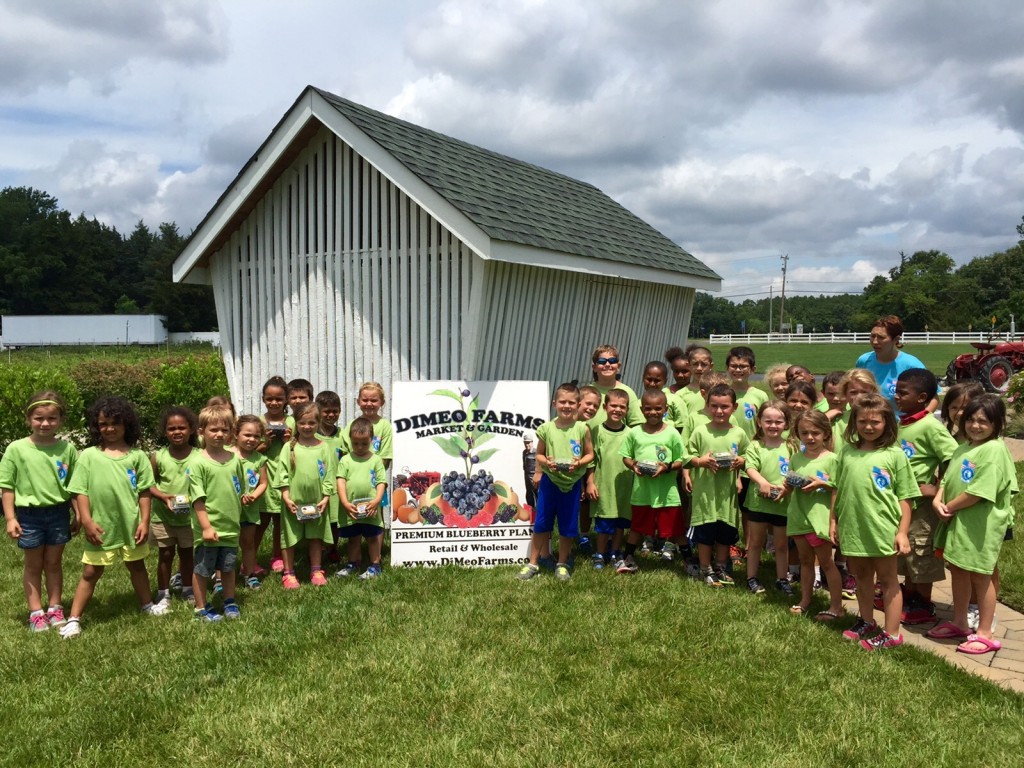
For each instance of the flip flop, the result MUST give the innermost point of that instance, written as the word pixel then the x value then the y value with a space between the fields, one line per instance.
pixel 947 630
pixel 987 645
pixel 826 616
pixel 797 610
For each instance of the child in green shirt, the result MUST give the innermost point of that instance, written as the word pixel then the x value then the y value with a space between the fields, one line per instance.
pixel 361 483
pixel 609 481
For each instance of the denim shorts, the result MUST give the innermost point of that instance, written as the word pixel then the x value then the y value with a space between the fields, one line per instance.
pixel 208 560
pixel 44 526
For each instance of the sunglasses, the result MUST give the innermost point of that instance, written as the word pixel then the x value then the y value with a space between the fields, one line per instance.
pixel 606 361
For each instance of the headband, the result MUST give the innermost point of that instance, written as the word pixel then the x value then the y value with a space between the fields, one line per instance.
pixel 37 403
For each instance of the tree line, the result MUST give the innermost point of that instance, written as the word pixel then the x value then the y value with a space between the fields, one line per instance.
pixel 927 290
pixel 54 264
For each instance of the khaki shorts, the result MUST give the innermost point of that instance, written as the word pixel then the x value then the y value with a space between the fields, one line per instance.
pixel 921 566
pixel 105 557
pixel 164 535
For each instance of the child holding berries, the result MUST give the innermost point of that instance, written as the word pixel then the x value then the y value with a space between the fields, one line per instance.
pixel 609 480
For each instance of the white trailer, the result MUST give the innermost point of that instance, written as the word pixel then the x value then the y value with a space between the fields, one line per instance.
pixel 65 330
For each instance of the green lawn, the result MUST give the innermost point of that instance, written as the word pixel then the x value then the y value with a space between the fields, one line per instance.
pixel 461 667
pixel 1011 559
pixel 822 358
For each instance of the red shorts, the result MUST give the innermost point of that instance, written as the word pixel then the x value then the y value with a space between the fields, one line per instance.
pixel 813 539
pixel 667 522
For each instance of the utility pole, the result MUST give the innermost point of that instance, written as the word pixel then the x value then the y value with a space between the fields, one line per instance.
pixel 770 309
pixel 782 305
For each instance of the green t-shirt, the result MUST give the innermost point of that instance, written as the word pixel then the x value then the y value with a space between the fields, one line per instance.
pixel 745 415
pixel 307 483
pixel 275 445
pixel 336 443
pixel 694 420
pixel 810 512
pixel 772 464
pixel 870 486
pixel 693 398
pixel 839 429
pixel 112 485
pixel 822 405
pixel 380 444
pixel 563 445
pixel 928 446
pixel 172 478
pixel 362 476
pixel 252 467
pixel 973 538
pixel 633 413
pixel 222 486
pixel 678 413
pixel 613 479
pixel 715 497
pixel 665 446
pixel 39 476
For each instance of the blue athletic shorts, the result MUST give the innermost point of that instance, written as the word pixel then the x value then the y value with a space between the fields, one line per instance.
pixel 553 504
pixel 44 526
pixel 606 526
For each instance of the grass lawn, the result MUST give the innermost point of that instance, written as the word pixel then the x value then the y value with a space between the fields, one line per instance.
pixel 463 667
pixel 1011 559
pixel 822 358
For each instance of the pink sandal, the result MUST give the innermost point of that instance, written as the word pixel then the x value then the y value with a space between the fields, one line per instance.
pixel 947 630
pixel 988 645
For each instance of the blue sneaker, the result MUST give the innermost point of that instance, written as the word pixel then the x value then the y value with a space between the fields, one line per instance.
pixel 231 611
pixel 206 614
pixel 598 561
pixel 371 572
pixel 218 586
pixel 585 546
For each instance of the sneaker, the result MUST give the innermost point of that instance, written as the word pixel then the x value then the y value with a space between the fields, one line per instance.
pixel 289 581
pixel 724 579
pixel 72 628
pixel 881 641
pixel 646 547
pixel 165 601
pixel 711 578
pixel 371 573
pixel 597 561
pixel 917 610
pixel 755 586
pixel 157 609
pixel 693 569
pixel 231 611
pixel 783 586
pixel 626 565
pixel 218 587
pixel 562 572
pixel 55 616
pixel 736 554
pixel 527 572
pixel 207 614
pixel 175 582
pixel 861 630
pixel 668 552
pixel 973 617
pixel 585 545
pixel 317 578
pixel 188 596
pixel 277 565
pixel 252 582
pixel 37 622
pixel 349 569
pixel 849 586
pixel 259 573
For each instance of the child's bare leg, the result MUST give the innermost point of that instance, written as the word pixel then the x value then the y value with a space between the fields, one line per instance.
pixel 861 569
pixel 247 542
pixel 228 581
pixel 780 542
pixel 374 544
pixel 704 556
pixel 962 589
pixel 54 569
pixel 985 586
pixel 354 547
pixel 164 564
pixel 86 586
pixel 564 549
pixel 276 537
pixel 199 590
pixel 831 574
pixel 261 528
pixel 140 581
pixel 32 578
pixel 892 597
pixel 316 553
pixel 584 519
pixel 288 555
pixel 756 533
pixel 539 546
pixel 721 554
pixel 602 543
pixel 806 552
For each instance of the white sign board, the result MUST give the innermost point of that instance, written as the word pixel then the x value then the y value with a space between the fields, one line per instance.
pixel 459 495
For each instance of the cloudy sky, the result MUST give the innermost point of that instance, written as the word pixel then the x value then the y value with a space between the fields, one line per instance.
pixel 838 132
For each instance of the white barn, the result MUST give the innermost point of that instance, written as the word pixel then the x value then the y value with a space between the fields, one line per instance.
pixel 356 246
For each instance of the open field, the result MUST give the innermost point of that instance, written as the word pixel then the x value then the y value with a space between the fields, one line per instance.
pixel 465 667
pixel 822 358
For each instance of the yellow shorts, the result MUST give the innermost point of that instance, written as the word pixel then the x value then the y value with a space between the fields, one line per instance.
pixel 105 557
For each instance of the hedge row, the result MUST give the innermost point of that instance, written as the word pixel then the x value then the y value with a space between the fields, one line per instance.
pixel 151 385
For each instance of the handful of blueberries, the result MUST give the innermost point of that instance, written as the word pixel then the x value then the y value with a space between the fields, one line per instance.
pixel 794 480
pixel 467 494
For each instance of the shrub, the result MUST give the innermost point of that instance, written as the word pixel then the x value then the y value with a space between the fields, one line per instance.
pixel 190 382
pixel 18 382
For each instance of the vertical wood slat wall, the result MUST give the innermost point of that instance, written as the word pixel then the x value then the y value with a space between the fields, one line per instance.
pixel 338 277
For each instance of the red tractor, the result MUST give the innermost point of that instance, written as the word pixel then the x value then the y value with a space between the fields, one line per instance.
pixel 992 365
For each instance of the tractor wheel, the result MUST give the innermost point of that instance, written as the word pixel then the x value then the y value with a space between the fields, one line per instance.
pixel 951 373
pixel 995 374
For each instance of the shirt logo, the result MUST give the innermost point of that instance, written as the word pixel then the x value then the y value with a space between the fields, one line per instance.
pixel 661 451
pixel 881 477
pixel 908 448
pixel 320 467
pixel 735 449
pixel 749 411
pixel 252 477
pixel 890 387
pixel 375 443
pixel 337 453
pixel 62 470
pixel 967 470
pixel 783 464
pixel 238 484
pixel 373 477
pixel 577 449
pixel 133 478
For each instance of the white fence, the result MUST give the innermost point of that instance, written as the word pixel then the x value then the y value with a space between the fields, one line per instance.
pixel 928 337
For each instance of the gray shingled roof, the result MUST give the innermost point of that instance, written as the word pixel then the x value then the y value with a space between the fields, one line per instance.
pixel 522 203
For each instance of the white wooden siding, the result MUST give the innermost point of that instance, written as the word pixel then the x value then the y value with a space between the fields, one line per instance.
pixel 339 277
